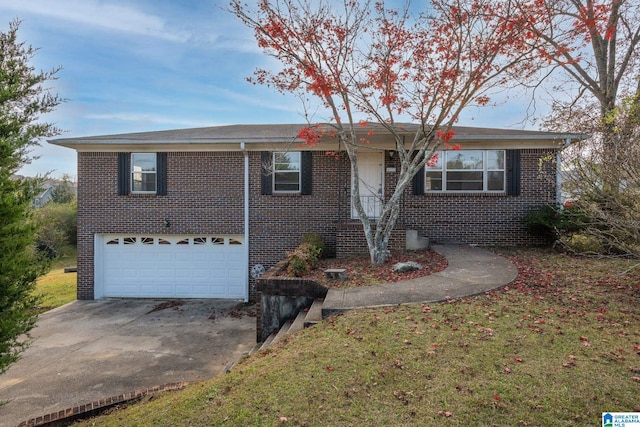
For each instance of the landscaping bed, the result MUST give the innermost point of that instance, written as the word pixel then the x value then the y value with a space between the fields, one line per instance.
pixel 360 272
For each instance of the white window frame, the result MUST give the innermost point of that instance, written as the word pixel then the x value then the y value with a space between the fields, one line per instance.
pixel 132 173
pixel 277 171
pixel 441 166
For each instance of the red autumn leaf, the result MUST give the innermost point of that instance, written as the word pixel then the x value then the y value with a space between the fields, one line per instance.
pixel 496 397
pixel 329 368
pixel 518 359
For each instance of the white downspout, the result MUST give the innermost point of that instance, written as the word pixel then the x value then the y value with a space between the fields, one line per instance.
pixel 246 218
pixel 567 142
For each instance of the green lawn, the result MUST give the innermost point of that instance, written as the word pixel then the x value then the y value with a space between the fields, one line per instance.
pixel 57 287
pixel 558 347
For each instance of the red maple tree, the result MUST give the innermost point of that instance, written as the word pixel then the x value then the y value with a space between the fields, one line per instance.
pixel 373 67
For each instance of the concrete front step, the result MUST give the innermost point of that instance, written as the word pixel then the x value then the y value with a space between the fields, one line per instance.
pixel 415 241
pixel 304 319
pixel 298 324
pixel 314 315
pixel 284 330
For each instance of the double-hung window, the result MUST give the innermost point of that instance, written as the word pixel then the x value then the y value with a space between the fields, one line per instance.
pixel 286 172
pixel 466 171
pixel 143 173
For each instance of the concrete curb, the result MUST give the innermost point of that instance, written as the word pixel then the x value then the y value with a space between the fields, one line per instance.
pixel 66 416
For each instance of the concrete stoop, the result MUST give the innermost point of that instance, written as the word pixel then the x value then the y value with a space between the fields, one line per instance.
pixel 416 242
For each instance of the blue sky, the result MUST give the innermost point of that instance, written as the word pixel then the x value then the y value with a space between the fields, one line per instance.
pixel 133 66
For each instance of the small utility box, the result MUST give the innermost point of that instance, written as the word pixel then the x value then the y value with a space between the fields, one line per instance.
pixel 336 274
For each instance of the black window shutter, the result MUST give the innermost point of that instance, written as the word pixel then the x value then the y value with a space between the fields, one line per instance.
pixel 513 172
pixel 161 173
pixel 123 173
pixel 306 170
pixel 266 174
pixel 418 182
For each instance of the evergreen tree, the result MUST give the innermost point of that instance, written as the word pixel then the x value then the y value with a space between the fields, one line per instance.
pixel 64 191
pixel 23 99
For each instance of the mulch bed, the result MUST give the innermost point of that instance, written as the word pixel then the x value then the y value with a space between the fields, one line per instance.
pixel 361 273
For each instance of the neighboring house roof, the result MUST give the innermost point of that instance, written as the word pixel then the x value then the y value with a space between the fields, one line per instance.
pixel 259 135
pixel 41 199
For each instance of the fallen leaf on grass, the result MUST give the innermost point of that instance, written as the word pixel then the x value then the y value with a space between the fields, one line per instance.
pixel 585 342
pixel 401 396
pixel 445 414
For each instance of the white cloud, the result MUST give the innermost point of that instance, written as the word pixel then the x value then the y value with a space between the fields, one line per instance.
pixel 108 16
pixel 150 120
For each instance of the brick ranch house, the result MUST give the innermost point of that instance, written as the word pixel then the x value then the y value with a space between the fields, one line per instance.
pixel 192 213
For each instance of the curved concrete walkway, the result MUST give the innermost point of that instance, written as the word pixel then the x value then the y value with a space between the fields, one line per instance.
pixel 471 271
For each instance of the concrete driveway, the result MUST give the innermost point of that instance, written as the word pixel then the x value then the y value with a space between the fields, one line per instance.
pixel 86 351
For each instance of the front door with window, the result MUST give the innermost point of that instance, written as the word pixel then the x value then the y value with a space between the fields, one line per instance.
pixel 371 171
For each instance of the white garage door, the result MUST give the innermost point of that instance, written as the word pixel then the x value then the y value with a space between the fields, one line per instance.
pixel 160 266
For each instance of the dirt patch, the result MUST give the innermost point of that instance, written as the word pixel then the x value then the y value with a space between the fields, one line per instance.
pixel 238 312
pixel 361 273
pixel 175 304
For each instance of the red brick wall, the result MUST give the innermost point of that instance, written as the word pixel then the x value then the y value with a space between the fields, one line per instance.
pixel 205 195
pixel 351 240
pixel 278 222
pixel 485 219
pixel 199 200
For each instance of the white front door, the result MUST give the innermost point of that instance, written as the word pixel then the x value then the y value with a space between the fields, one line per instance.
pixel 371 171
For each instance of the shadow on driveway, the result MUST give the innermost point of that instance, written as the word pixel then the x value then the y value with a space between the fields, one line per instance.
pixel 86 351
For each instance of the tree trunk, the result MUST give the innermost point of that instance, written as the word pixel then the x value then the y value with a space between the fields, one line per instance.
pixel 378 235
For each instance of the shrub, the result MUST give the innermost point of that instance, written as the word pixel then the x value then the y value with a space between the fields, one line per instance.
pixel 314 240
pixel 584 244
pixel 543 221
pixel 57 226
pixel 305 257
pixel 554 222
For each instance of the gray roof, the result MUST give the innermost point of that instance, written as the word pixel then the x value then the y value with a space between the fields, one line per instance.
pixel 273 133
